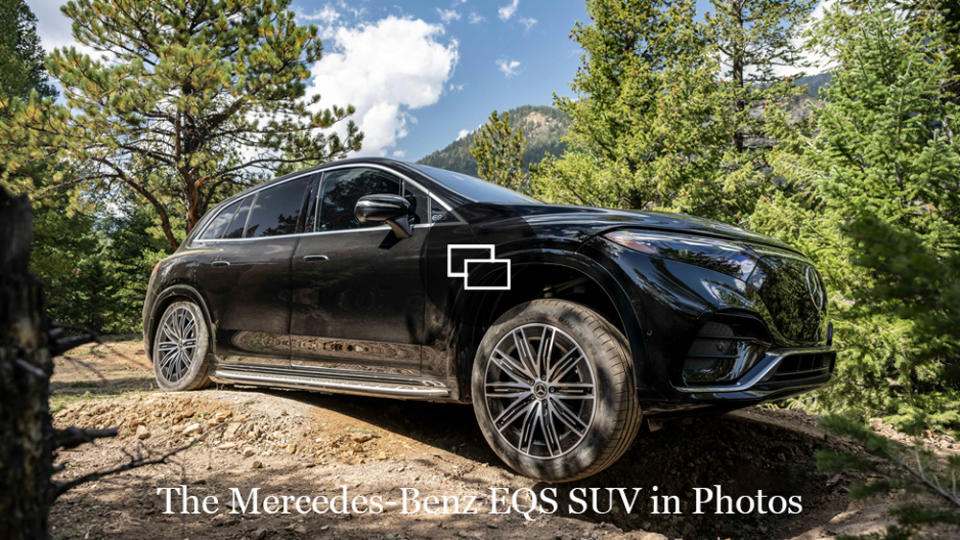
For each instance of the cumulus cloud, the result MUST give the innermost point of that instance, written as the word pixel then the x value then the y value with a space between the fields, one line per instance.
pixel 326 15
pixel 527 22
pixel 385 69
pixel 448 15
pixel 508 67
pixel 54 28
pixel 475 18
pixel 507 11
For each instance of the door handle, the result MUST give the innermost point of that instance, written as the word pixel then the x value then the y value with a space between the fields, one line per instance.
pixel 319 257
pixel 220 263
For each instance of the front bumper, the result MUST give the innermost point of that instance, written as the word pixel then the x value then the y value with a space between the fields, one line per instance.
pixel 781 372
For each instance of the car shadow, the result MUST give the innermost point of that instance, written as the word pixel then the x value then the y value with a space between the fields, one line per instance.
pixel 730 457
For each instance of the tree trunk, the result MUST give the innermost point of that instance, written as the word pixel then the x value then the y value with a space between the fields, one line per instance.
pixel 26 433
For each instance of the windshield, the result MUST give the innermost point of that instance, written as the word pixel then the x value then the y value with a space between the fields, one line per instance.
pixel 474 188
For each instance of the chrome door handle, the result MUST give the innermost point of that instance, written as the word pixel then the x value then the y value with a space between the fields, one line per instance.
pixel 315 257
pixel 220 263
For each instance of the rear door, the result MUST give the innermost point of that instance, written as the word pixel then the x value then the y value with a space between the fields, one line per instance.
pixel 246 277
pixel 358 294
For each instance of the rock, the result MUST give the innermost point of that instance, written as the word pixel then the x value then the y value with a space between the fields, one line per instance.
pixel 256 464
pixel 231 432
pixel 248 451
pixel 142 432
pixel 876 423
pixel 226 445
pixel 361 437
pixel 291 448
pixel 192 428
pixel 259 534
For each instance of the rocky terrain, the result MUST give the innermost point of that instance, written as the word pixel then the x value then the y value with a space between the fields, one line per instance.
pixel 341 450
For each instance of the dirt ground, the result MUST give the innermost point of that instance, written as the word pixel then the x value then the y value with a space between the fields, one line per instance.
pixel 308 444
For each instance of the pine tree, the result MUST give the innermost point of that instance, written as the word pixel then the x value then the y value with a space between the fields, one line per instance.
pixel 188 100
pixel 673 113
pixel 498 149
pixel 21 58
pixel 877 204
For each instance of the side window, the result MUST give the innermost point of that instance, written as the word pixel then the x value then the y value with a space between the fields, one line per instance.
pixel 439 214
pixel 235 229
pixel 340 191
pixel 419 203
pixel 276 210
pixel 219 223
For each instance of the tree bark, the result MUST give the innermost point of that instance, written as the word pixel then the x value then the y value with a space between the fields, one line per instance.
pixel 26 432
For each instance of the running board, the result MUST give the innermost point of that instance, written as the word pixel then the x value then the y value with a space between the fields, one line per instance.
pixel 412 389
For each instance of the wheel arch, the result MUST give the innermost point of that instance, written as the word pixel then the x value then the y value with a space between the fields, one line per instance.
pixel 164 298
pixel 559 274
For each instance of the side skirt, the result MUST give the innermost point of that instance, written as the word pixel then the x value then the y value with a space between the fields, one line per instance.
pixel 333 380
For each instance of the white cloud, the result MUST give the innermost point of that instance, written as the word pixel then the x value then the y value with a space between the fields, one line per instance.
pixel 814 62
pixel 527 22
pixel 508 67
pixel 508 10
pixel 326 15
pixel 463 133
pixel 53 27
pixel 448 15
pixel 385 69
pixel 475 18
pixel 399 154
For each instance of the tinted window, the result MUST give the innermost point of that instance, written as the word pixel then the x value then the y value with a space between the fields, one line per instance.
pixel 235 230
pixel 277 209
pixel 475 188
pixel 419 203
pixel 219 223
pixel 439 214
pixel 340 191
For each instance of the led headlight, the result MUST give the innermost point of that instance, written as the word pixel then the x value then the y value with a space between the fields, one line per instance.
pixel 710 253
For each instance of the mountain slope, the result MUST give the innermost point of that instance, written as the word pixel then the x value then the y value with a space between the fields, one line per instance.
pixel 542 126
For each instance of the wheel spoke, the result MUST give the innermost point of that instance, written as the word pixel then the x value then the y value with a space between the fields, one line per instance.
pixel 527 360
pixel 506 389
pixel 572 390
pixel 551 438
pixel 564 365
pixel 571 420
pixel 545 350
pixel 528 426
pixel 513 411
pixel 509 366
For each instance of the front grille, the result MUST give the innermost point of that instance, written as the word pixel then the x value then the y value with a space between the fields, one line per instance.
pixel 792 291
pixel 804 366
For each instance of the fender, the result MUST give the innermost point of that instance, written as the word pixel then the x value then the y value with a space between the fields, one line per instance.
pixel 177 289
pixel 468 313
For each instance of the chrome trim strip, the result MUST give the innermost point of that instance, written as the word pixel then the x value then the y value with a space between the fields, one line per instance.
pixel 327 384
pixel 257 190
pixel 775 358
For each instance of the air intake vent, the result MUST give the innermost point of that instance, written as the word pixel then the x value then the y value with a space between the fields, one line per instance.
pixel 724 349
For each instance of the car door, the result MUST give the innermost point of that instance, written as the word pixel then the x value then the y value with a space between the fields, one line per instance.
pixel 246 277
pixel 358 295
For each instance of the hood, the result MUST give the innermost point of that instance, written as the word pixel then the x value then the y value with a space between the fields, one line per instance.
pixel 598 220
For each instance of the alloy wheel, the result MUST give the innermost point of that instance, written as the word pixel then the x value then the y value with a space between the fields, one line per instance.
pixel 540 391
pixel 177 345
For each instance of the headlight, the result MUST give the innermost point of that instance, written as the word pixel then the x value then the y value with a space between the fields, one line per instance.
pixel 713 254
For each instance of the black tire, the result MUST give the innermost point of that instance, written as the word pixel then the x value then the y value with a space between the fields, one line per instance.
pixel 196 373
pixel 615 418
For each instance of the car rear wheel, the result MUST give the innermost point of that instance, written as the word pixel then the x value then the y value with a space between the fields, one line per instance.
pixel 180 348
pixel 554 392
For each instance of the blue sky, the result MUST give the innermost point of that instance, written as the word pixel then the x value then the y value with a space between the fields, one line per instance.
pixel 423 73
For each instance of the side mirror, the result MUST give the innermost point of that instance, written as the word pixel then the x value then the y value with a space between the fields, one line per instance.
pixel 393 210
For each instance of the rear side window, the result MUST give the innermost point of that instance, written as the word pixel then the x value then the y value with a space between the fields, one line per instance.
pixel 340 191
pixel 235 229
pixel 219 223
pixel 276 210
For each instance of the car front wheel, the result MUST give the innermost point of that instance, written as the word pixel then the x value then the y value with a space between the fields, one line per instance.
pixel 554 391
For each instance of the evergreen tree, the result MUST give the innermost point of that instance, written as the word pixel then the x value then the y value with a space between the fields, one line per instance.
pixel 21 58
pixel 498 149
pixel 877 204
pixel 189 98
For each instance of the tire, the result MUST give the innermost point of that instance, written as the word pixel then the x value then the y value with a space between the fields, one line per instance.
pixel 516 403
pixel 181 364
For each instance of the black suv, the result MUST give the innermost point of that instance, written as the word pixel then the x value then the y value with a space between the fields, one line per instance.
pixel 560 324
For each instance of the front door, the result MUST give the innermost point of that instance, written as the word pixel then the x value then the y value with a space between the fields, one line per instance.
pixel 358 295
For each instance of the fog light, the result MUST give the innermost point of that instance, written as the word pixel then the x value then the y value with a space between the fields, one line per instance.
pixel 723 352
